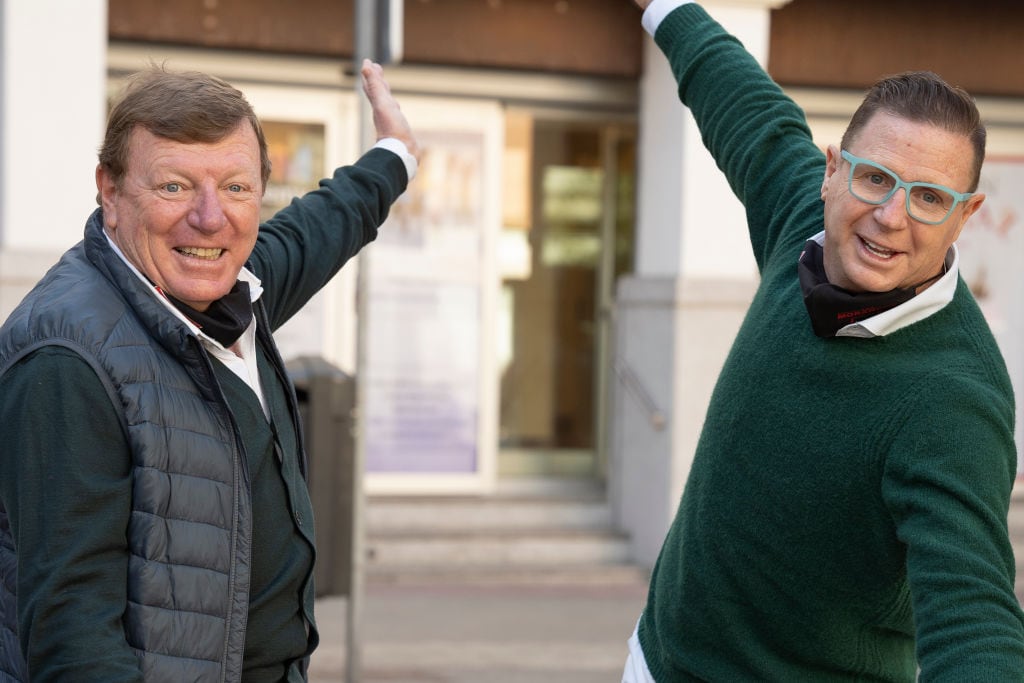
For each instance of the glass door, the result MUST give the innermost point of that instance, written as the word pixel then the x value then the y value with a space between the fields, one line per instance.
pixel 567 236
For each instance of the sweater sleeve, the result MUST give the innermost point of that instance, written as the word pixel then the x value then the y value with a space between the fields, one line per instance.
pixel 947 484
pixel 65 481
pixel 757 135
pixel 305 244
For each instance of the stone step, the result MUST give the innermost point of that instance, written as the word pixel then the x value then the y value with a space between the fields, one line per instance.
pixel 496 550
pixel 478 514
pixel 601 576
pixel 539 530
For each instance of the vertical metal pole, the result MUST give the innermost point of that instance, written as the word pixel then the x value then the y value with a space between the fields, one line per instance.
pixel 605 299
pixel 364 46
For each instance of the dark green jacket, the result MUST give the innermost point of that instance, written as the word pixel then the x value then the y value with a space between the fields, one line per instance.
pixel 142 568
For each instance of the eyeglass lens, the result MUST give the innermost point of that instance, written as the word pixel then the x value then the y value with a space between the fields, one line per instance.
pixel 875 185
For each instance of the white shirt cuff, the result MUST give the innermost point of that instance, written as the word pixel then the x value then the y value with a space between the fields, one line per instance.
pixel 657 11
pixel 398 147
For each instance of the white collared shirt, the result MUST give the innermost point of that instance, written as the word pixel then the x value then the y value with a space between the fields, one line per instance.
pixel 909 312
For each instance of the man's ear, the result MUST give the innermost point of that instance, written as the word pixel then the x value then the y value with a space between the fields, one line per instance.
pixel 831 163
pixel 106 196
pixel 970 206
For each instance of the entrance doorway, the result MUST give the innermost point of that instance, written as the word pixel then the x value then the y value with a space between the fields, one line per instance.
pixel 567 236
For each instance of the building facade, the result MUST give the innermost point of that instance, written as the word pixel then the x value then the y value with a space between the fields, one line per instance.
pixel 555 294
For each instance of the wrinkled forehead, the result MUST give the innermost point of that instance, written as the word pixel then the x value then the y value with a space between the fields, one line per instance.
pixel 916 150
pixel 237 149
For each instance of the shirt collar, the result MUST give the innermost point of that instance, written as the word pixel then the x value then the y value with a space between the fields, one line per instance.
pixel 255 291
pixel 918 308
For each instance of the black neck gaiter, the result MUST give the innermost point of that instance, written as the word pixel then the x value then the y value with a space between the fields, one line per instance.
pixel 830 307
pixel 226 318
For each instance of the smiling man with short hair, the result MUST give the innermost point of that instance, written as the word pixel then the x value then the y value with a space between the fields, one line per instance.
pixel 155 523
pixel 845 517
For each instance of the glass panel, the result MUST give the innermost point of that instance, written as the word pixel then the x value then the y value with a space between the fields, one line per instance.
pixel 297 162
pixel 423 314
pixel 555 275
pixel 297 158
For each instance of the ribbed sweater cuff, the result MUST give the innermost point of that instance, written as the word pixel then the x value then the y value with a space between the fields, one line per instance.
pixel 657 11
pixel 681 21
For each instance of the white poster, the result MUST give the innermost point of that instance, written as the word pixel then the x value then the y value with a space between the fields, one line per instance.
pixel 992 263
pixel 429 307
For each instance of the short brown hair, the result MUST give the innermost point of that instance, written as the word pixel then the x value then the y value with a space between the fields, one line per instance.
pixel 924 97
pixel 184 106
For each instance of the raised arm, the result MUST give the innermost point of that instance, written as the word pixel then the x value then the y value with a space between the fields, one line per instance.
pixel 388 118
pixel 757 135
pixel 301 248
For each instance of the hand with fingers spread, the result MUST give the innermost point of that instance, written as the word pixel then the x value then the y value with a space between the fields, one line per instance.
pixel 388 119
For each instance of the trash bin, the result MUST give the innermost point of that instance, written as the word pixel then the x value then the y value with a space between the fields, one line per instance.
pixel 326 397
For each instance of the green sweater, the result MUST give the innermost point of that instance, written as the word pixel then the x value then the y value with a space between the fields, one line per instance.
pixel 845 516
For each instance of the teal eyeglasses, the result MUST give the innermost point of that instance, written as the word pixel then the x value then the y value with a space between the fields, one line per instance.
pixel 926 202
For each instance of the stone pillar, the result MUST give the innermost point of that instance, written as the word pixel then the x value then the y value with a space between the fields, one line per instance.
pixel 678 313
pixel 52 112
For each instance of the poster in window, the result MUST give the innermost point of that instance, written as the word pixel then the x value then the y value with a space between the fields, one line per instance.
pixel 424 316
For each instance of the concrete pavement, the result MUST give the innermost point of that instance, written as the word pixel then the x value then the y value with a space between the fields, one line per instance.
pixel 512 630
pixel 485 632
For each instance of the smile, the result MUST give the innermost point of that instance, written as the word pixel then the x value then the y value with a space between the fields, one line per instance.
pixel 209 254
pixel 879 251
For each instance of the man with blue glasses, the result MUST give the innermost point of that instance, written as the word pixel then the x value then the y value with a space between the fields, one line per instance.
pixel 845 514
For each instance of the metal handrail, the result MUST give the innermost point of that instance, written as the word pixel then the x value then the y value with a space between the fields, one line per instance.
pixel 629 379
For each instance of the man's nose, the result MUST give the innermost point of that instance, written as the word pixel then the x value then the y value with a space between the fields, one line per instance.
pixel 207 214
pixel 893 213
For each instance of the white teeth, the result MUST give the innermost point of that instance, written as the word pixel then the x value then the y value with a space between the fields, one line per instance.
pixel 877 250
pixel 199 252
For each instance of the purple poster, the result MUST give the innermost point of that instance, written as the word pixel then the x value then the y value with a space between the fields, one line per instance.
pixel 423 298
